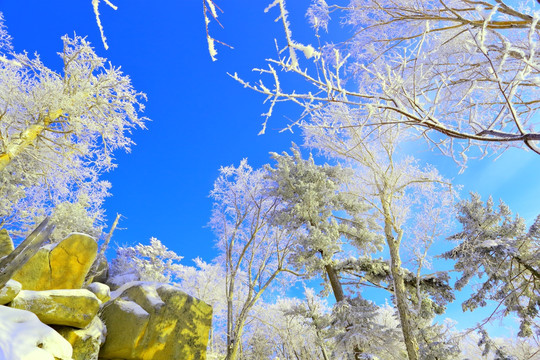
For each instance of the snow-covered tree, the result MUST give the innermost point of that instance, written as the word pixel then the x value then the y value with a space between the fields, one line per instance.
pixel 407 200
pixel 478 345
pixel 77 216
pixel 496 247
pixel 313 197
pixel 346 216
pixel 58 130
pixel 154 262
pixel 315 202
pixel 292 328
pixel 452 69
pixel 254 250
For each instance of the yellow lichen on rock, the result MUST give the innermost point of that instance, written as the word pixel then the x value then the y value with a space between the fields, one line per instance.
pixel 9 291
pixel 74 308
pixel 85 342
pixel 177 325
pixel 126 325
pixel 6 244
pixel 59 266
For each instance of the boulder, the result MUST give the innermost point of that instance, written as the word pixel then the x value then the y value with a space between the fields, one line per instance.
pixel 46 270
pixel 85 342
pixel 126 323
pixel 102 291
pixel 74 308
pixel 155 321
pixel 24 337
pixel 6 244
pixel 9 291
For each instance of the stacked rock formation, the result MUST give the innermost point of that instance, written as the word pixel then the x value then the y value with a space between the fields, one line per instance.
pixel 139 321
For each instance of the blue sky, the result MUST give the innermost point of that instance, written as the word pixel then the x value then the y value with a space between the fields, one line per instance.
pixel 201 118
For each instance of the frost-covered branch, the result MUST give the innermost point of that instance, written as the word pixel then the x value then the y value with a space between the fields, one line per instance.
pixel 463 74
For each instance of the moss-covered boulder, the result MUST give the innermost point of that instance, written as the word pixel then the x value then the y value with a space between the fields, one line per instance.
pixel 59 266
pixel 9 291
pixel 74 308
pixel 152 321
pixel 85 342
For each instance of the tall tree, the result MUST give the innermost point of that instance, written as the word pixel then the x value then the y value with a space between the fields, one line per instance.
pixel 314 201
pixel 406 198
pixel 58 131
pixel 254 250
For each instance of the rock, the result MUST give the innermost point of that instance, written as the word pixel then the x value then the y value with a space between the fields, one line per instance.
pixel 9 291
pixel 155 321
pixel 85 342
pixel 102 291
pixel 59 307
pixel 46 270
pixel 128 323
pixel 6 245
pixel 24 337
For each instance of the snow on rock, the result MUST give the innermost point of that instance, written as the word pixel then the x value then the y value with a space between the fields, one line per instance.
pixel 9 291
pixel 71 307
pixel 132 308
pixel 119 281
pixel 155 321
pixel 102 291
pixel 24 337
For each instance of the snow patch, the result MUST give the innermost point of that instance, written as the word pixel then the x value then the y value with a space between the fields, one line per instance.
pixel 24 337
pixel 132 307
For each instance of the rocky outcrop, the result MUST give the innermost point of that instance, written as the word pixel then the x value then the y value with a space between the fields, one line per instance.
pixel 6 244
pixel 42 285
pixel 9 291
pixel 155 321
pixel 85 342
pixel 74 308
pixel 46 270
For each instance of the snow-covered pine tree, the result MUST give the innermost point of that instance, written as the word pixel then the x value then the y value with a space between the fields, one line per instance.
pixel 496 247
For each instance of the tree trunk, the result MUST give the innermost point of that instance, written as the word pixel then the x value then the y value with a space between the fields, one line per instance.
pixel 230 339
pixel 233 343
pixel 93 272
pixel 400 293
pixel 25 138
pixel 340 296
pixel 233 349
pixel 334 282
